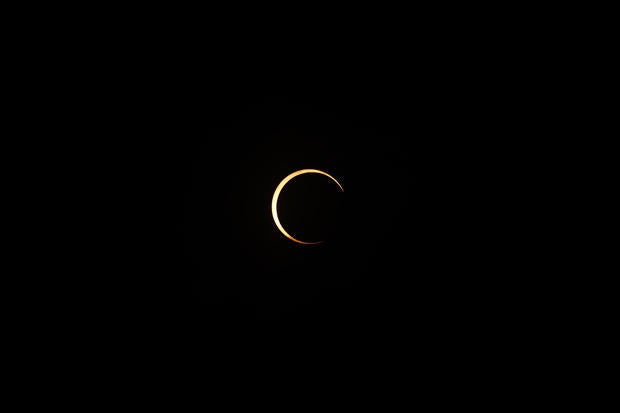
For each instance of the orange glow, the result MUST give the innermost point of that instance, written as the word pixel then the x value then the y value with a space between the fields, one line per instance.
pixel 276 194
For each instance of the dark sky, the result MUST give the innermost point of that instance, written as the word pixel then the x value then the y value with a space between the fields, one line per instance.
pixel 416 243
pixel 408 241
pixel 429 254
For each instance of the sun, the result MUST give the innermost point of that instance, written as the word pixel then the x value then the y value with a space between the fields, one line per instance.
pixel 276 194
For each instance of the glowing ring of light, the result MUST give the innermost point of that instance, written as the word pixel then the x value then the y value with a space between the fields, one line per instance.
pixel 276 194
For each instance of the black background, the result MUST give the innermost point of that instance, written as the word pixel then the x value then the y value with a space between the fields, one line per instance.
pixel 417 242
pixel 423 249
pixel 436 264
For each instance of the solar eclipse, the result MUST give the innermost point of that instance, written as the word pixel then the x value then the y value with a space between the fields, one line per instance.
pixel 276 194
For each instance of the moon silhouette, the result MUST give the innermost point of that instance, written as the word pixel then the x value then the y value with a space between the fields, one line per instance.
pixel 276 194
